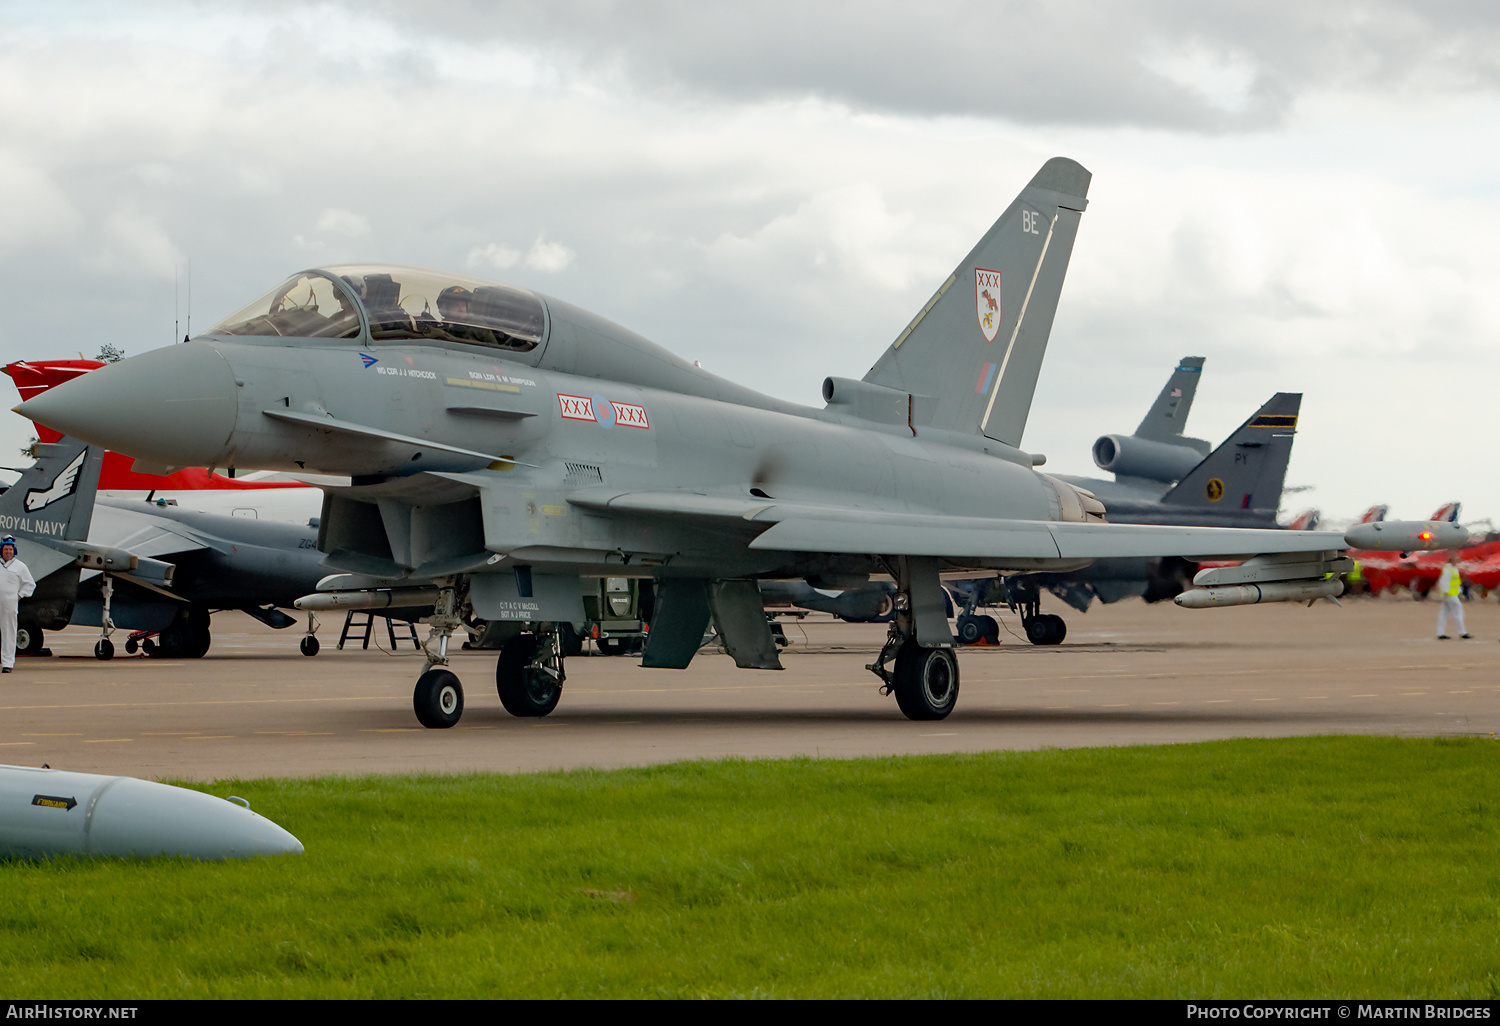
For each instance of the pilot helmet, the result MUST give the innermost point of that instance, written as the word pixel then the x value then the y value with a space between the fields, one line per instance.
pixel 450 295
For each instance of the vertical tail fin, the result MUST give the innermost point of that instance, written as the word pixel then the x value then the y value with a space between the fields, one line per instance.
pixel 977 346
pixel 1248 471
pixel 53 501
pixel 1167 418
pixel 1307 520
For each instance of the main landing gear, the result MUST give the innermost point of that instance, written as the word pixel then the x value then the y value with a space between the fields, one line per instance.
pixel 925 677
pixel 1041 628
pixel 528 675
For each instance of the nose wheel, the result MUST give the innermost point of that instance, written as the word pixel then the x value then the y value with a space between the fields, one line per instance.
pixel 309 644
pixel 438 699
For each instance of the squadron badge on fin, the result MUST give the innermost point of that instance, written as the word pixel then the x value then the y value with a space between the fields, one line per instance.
pixel 987 301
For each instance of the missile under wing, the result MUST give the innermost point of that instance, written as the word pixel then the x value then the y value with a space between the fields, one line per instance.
pixel 501 443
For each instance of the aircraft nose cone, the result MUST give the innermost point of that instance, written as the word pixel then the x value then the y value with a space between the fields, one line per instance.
pixel 174 406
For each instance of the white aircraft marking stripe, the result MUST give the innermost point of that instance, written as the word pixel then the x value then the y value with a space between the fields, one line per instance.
pixel 1020 317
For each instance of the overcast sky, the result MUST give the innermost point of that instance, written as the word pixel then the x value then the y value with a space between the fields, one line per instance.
pixel 1305 194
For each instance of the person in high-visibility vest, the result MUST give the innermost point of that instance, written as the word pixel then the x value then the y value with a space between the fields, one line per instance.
pixel 1450 584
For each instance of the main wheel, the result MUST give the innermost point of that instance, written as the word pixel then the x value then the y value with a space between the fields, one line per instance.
pixel 524 689
pixel 28 639
pixel 198 643
pixel 569 641
pixel 309 645
pixel 1057 631
pixel 104 649
pixel 132 646
pixel 438 699
pixel 1037 629
pixel 1046 629
pixel 991 629
pixel 970 630
pixel 926 681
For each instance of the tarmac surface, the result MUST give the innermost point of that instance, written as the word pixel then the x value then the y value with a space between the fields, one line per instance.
pixel 1127 674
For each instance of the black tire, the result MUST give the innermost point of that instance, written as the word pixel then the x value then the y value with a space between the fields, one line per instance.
pixel 132 646
pixel 104 649
pixel 569 641
pixel 926 681
pixel 309 645
pixel 28 639
pixel 1037 630
pixel 524 690
pixel 610 646
pixel 1057 631
pixel 438 699
pixel 991 628
pixel 1046 629
pixel 149 647
pixel 970 630
pixel 198 643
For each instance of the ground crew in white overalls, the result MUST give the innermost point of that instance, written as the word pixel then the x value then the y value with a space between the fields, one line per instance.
pixel 15 584
pixel 1449 584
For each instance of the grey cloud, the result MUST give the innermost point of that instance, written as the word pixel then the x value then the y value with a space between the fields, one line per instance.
pixel 1175 64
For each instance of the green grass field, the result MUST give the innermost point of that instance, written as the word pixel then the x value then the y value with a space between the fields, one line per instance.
pixel 1341 867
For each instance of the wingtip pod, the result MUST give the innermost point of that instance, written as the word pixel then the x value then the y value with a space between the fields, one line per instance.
pixel 1406 536
pixel 52 812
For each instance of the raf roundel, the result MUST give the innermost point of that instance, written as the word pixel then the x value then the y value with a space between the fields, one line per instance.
pixel 604 412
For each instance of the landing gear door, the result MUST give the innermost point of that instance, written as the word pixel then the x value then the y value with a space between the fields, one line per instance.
pixel 522 594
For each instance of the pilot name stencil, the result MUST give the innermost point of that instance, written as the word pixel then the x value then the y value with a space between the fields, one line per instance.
pixel 405 372
pixel 602 411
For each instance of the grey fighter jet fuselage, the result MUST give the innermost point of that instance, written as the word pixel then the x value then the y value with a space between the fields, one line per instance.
pixel 502 443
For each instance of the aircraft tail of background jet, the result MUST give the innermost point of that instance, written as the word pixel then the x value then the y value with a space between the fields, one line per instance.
pixel 1158 451
pixel 48 511
pixel 969 359
pixel 54 498
pixel 1167 418
pixel 1248 471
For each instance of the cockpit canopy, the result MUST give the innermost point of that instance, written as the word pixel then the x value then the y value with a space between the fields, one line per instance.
pixel 393 303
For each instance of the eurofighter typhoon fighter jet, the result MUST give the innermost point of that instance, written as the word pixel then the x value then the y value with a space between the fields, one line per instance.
pixel 501 444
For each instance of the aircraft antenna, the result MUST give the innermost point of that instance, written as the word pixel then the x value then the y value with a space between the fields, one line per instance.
pixel 176 304
pixel 190 302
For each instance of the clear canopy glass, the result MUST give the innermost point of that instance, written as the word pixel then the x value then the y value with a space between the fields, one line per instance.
pixel 307 305
pixel 398 303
